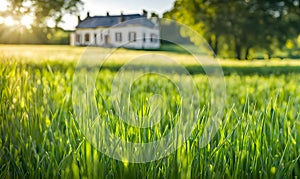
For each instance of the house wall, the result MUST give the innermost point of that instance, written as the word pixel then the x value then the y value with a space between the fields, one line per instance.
pixel 72 39
pixel 97 37
pixel 141 42
pixel 82 40
pixel 151 43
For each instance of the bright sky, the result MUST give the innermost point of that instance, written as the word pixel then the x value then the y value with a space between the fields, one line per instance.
pixel 100 7
pixel 114 7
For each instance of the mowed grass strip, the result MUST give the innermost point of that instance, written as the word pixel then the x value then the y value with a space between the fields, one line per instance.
pixel 58 56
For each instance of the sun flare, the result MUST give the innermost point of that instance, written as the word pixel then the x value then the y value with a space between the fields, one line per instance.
pixel 26 21
pixel 1 20
pixel 9 21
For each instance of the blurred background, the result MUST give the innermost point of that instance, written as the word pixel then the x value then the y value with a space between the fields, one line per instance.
pixel 236 29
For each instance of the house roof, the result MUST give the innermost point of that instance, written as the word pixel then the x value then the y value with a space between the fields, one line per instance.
pixel 108 21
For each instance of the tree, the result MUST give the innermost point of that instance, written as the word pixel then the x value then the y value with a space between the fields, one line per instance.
pixel 41 11
pixel 249 24
pixel 196 14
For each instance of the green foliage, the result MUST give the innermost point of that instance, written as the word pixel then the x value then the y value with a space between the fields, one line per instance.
pixel 22 35
pixel 58 36
pixel 241 25
pixel 259 137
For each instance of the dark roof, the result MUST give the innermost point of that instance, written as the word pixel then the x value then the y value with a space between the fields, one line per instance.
pixel 108 21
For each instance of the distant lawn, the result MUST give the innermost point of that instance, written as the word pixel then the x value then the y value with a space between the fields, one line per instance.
pixel 67 55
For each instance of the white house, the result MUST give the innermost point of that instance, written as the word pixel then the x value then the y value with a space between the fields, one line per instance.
pixel 130 31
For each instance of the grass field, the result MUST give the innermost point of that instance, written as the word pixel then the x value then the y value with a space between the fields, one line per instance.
pixel 259 136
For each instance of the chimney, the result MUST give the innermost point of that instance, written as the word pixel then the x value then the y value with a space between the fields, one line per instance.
pixel 88 14
pixel 145 13
pixel 107 13
pixel 121 19
pixel 78 19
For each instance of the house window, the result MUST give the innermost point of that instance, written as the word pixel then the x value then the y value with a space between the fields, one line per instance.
pixel 132 36
pixel 101 37
pixel 78 38
pixel 144 37
pixel 95 38
pixel 153 38
pixel 118 37
pixel 87 37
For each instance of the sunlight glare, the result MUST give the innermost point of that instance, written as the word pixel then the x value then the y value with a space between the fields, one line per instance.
pixel 50 23
pixel 9 21
pixel 26 21
pixel 1 20
pixel 4 5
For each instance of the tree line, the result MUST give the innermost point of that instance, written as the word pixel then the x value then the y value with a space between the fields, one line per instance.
pixel 241 27
pixel 34 35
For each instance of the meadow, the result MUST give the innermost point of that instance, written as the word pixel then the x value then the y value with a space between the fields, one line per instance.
pixel 40 137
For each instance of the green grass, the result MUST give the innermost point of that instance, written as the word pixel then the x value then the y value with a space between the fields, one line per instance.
pixel 40 137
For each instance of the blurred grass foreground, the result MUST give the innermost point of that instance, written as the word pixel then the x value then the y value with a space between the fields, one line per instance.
pixel 40 136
